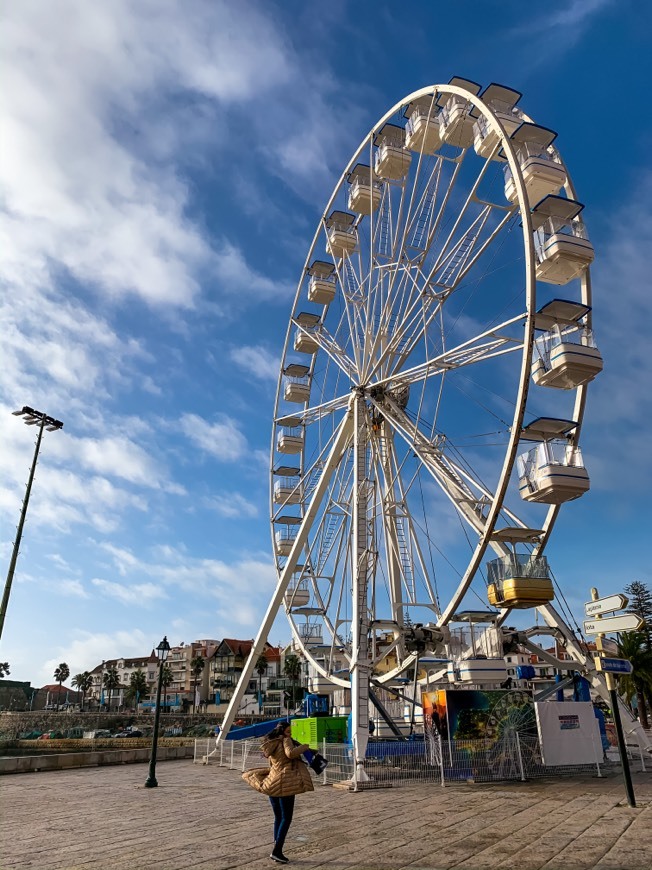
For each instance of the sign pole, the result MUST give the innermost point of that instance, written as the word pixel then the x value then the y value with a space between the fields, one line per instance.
pixel 615 709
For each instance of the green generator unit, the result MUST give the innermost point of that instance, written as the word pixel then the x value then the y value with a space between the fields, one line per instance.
pixel 315 730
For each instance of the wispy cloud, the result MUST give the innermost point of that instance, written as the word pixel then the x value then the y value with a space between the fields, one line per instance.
pixel 256 360
pixel 139 593
pixel 232 506
pixel 222 439
pixel 557 30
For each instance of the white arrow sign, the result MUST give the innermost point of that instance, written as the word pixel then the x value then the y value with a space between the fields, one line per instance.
pixel 606 605
pixel 624 622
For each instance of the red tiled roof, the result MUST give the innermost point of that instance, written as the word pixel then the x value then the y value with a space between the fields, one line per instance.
pixel 239 647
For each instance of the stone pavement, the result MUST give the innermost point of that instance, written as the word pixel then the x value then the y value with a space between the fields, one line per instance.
pixel 208 818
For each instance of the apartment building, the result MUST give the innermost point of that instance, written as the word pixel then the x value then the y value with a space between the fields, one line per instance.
pixel 125 667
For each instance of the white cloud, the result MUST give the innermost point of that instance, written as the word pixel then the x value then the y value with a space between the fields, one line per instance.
pixel 81 187
pixel 232 506
pixel 139 593
pixel 559 29
pixel 222 439
pixel 257 361
pixel 72 587
pixel 251 575
pixel 88 649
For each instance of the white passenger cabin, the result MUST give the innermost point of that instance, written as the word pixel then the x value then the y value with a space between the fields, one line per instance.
pixel 542 171
pixel 305 340
pixel 422 130
pixel 563 249
pixel 457 116
pixel 392 158
pixel 365 190
pixel 297 594
pixel 502 101
pixel 322 285
pixel 479 671
pixel 296 387
pixel 289 438
pixel 287 486
pixel 553 471
pixel 341 236
pixel 285 534
pixel 565 355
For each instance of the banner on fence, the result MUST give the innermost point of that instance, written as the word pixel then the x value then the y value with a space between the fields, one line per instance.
pixel 475 714
pixel 568 732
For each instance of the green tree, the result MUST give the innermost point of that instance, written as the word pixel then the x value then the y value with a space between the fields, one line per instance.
pixel 640 602
pixel 197 666
pixel 261 670
pixel 4 669
pixel 167 679
pixel 82 682
pixel 632 645
pixel 292 670
pixel 138 687
pixel 61 674
pixel 111 681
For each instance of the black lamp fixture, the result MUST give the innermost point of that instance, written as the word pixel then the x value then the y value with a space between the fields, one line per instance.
pixel 162 651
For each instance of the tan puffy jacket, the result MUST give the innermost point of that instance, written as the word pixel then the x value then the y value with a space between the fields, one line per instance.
pixel 287 773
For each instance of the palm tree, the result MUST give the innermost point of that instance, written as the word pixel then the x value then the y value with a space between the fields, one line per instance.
pixel 197 665
pixel 166 680
pixel 138 687
pixel 261 670
pixel 633 646
pixel 83 683
pixel 4 669
pixel 111 681
pixel 292 670
pixel 61 674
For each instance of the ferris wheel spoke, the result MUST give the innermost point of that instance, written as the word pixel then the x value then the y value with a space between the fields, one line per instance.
pixel 470 506
pixel 486 345
pixel 330 346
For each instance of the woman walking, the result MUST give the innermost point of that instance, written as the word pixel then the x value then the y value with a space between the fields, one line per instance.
pixel 286 777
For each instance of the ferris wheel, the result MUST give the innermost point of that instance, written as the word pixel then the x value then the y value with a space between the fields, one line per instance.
pixel 409 444
pixel 425 308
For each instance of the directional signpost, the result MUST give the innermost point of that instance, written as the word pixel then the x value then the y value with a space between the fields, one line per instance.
pixel 609 666
pixel 611 624
pixel 613 666
pixel 606 605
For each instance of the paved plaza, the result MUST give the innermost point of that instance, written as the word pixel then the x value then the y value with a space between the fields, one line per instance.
pixel 208 818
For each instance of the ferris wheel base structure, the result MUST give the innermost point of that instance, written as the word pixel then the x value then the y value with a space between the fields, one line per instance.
pixel 427 322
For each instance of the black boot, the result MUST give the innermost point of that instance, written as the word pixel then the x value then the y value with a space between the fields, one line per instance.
pixel 278 856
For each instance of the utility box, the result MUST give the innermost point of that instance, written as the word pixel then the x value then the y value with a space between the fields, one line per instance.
pixel 315 730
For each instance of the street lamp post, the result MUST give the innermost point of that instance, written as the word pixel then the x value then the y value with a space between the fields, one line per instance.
pixel 162 651
pixel 30 418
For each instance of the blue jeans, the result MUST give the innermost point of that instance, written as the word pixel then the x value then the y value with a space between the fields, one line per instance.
pixel 283 809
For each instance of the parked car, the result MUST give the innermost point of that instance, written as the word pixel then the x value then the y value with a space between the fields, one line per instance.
pixel 129 732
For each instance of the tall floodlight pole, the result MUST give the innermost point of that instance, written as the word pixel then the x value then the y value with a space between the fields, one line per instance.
pixel 43 421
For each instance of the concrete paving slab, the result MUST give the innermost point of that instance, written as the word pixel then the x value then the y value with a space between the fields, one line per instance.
pixel 207 818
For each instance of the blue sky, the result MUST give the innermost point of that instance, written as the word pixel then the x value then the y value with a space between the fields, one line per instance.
pixel 165 165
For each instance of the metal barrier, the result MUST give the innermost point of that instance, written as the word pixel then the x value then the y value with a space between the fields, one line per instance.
pixel 512 757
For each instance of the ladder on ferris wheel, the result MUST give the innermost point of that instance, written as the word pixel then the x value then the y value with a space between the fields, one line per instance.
pixel 422 228
pixel 313 480
pixel 351 288
pixel 405 559
pixel 457 260
pixel 383 246
pixel 333 522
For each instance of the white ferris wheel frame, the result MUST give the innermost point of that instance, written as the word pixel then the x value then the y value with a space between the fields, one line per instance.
pixel 359 670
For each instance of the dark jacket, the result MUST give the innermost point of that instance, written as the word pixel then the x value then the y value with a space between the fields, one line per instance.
pixel 287 774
